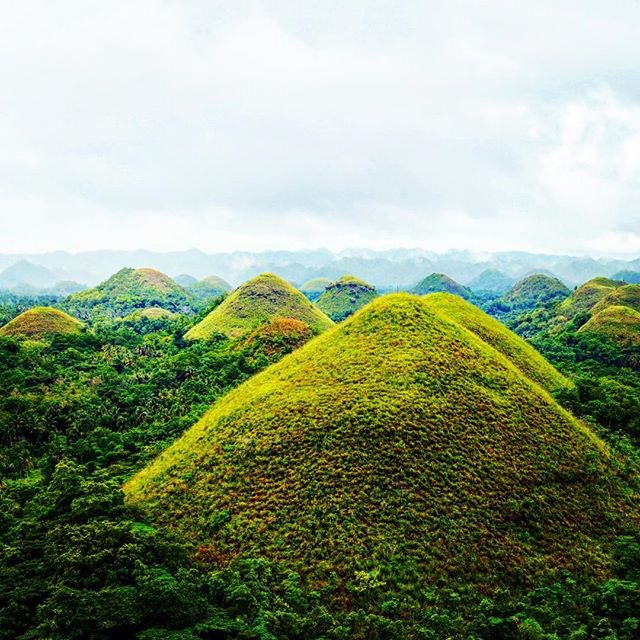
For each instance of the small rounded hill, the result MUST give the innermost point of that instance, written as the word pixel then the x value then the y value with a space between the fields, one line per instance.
pixel 315 287
pixel 345 296
pixel 257 301
pixel 440 282
pixel 129 290
pixel 209 288
pixel 535 290
pixel 407 440
pixel 619 323
pixel 587 296
pixel 40 322
pixel 276 338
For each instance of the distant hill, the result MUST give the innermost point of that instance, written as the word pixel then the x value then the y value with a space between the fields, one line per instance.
pixel 399 443
pixel 586 296
pixel 259 300
pixel 209 288
pixel 25 275
pixel 185 280
pixel 491 280
pixel 39 322
pixel 621 324
pixel 533 291
pixel 315 287
pixel 630 277
pixel 344 297
pixel 129 290
pixel 439 282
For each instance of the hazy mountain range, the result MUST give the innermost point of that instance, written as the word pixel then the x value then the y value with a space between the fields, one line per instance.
pixel 389 269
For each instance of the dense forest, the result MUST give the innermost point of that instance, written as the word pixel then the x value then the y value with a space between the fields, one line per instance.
pixel 82 411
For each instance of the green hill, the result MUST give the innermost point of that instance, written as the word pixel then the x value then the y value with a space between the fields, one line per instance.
pixel 315 287
pixel 209 288
pixel 397 443
pixel 259 300
pixel 586 296
pixel 276 338
pixel 39 322
pixel 439 282
pixel 520 352
pixel 534 291
pixel 151 313
pixel 129 290
pixel 627 295
pixel 344 297
pixel 491 280
pixel 185 280
pixel 620 323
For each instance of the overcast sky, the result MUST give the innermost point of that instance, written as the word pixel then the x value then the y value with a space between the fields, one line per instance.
pixel 167 124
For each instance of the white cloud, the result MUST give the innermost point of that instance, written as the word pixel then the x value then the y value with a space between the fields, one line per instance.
pixel 166 124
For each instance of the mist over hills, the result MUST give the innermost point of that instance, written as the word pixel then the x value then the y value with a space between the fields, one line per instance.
pixel 390 269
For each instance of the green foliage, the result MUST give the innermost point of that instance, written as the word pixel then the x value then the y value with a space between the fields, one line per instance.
pixel 620 324
pixel 209 288
pixel 259 300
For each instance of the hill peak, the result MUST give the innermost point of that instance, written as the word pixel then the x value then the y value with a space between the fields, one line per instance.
pixel 256 301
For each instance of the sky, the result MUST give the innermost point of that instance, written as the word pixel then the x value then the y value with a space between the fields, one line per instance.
pixel 232 125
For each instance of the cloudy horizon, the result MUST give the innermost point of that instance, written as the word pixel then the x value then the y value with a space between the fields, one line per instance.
pixel 167 125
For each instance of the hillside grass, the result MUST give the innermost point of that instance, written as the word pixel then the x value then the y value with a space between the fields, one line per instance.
pixel 494 333
pixel 39 322
pixel 621 324
pixel 398 443
pixel 257 301
pixel 627 295
pixel 586 296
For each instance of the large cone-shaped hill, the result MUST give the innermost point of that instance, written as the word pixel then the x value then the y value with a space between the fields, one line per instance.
pixel 398 441
pixel 438 282
pixel 259 300
pixel 129 290
pixel 345 296
pixel 39 322
pixel 627 295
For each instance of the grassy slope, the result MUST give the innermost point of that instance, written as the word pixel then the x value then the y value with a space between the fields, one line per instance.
pixel 41 321
pixel 586 296
pixel 520 352
pixel 627 295
pixel 397 441
pixel 345 296
pixel 277 337
pixel 437 282
pixel 621 324
pixel 256 301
